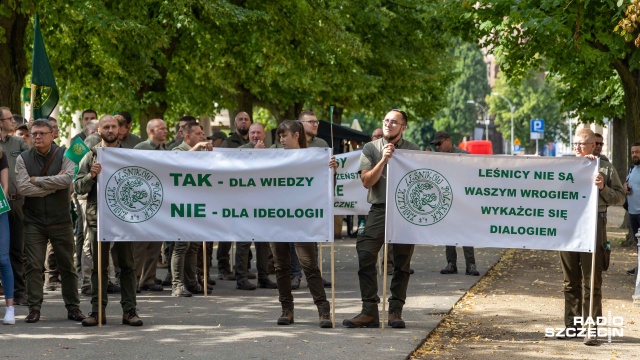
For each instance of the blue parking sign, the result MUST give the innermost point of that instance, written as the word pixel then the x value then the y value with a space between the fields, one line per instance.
pixel 537 125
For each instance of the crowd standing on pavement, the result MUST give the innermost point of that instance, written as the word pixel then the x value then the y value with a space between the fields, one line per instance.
pixel 48 237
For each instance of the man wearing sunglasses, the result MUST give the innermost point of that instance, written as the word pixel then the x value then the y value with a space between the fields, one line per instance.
pixel 442 143
pixel 597 151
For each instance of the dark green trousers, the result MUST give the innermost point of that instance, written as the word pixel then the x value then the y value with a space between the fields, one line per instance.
pixel 184 263
pixel 308 256
pixel 242 260
pixel 452 255
pixel 128 281
pixel 35 246
pixel 576 268
pixel 368 245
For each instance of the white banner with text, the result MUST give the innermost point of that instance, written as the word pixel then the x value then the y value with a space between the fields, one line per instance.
pixel 221 195
pixel 349 197
pixel 492 201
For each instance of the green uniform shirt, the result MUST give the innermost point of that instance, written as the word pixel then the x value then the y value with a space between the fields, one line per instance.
pixel 182 147
pixel 248 145
pixel 315 142
pixel 12 147
pixel 233 141
pixel 612 193
pixel 149 145
pixel 371 155
pixel 457 150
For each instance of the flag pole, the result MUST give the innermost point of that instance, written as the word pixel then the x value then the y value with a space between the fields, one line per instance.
pixel 33 96
pixel 333 263
pixel 205 271
pixel 99 270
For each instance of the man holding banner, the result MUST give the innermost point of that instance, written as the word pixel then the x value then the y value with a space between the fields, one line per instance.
pixel 373 168
pixel 86 183
pixel 577 266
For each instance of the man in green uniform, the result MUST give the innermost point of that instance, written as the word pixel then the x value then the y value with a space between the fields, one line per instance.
pixel 442 143
pixel 184 258
pixel 373 168
pixel 86 183
pixel 263 250
pixel 576 266
pixel 146 253
pixel 238 138
pixel 43 176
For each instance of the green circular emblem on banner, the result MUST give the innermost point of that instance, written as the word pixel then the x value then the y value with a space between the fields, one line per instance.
pixel 134 194
pixel 423 197
pixel 77 149
pixel 42 95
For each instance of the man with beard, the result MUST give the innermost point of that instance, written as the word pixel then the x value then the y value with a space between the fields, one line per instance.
pixel 86 183
pixel 263 251
pixel 373 168
pixel 632 187
pixel 238 138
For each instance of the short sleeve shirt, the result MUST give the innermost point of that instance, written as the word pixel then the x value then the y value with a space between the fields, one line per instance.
pixel 4 163
pixel 371 155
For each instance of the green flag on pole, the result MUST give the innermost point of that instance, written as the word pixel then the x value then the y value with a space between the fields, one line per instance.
pixel 76 150
pixel 4 204
pixel 44 92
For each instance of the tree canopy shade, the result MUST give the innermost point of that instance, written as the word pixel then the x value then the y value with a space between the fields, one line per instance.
pixel 573 40
pixel 458 118
pixel 160 58
pixel 534 98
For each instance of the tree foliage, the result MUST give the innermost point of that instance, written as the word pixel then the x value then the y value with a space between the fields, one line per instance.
pixel 534 97
pixel 458 118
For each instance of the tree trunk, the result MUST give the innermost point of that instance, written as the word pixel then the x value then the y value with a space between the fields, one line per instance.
pixel 631 85
pixel 244 102
pixel 13 60
pixel 158 90
pixel 290 113
pixel 619 148
pixel 337 114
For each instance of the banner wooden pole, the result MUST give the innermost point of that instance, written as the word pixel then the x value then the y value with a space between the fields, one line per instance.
pixel 320 257
pixel 333 286
pixel 205 274
pixel 384 283
pixel 593 269
pixel 99 270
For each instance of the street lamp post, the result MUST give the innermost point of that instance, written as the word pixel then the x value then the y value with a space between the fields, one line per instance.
pixel 484 116
pixel 512 109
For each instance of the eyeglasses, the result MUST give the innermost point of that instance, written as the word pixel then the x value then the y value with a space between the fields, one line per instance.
pixel 437 144
pixel 576 144
pixel 9 118
pixel 312 122
pixel 391 122
pixel 599 143
pixel 39 133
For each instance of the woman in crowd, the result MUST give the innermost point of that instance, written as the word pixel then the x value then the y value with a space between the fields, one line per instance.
pixel 292 136
pixel 5 263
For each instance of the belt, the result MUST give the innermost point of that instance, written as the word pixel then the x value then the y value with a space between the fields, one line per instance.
pixel 14 197
pixel 602 214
